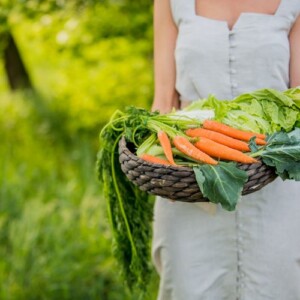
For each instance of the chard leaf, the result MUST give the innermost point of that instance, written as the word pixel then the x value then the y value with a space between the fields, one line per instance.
pixel 295 135
pixel 222 183
pixel 279 138
pixel 294 171
pixel 252 144
pixel 285 169
pixel 283 153
pixel 200 178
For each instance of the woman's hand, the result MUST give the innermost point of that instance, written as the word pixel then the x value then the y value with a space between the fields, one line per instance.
pixel 165 107
pixel 295 54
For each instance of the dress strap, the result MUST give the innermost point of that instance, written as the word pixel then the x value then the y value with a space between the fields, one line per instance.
pixel 289 9
pixel 182 10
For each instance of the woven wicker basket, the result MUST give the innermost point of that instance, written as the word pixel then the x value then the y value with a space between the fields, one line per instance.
pixel 179 183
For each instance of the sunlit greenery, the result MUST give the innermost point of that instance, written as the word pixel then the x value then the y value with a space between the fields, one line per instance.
pixel 84 62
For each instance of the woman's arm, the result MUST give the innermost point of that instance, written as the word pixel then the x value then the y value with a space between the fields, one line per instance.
pixel 295 54
pixel 165 34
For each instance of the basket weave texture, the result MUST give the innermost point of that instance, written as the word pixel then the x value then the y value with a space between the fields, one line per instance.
pixel 179 183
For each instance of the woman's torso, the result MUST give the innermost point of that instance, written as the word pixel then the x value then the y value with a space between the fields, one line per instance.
pixel 213 59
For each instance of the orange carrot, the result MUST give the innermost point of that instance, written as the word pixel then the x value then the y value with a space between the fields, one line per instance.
pixel 223 152
pixel 233 132
pixel 166 145
pixel 154 159
pixel 186 147
pixel 219 138
pixel 259 141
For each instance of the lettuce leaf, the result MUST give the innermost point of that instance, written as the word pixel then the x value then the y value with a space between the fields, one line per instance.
pixel 264 110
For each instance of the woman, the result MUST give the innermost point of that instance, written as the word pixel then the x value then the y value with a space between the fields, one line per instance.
pixel 227 48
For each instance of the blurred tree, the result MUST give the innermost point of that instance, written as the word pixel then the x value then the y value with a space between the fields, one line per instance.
pixel 135 16
pixel 15 69
pixel 17 75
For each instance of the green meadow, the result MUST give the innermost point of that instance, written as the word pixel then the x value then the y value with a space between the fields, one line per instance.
pixel 84 61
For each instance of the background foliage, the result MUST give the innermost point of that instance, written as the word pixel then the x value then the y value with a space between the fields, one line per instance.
pixel 84 59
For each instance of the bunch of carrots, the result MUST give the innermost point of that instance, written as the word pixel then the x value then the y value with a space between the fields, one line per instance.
pixel 211 142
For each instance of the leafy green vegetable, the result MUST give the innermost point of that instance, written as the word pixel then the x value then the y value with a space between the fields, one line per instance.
pixel 294 93
pixel 283 153
pixel 146 145
pixel 264 110
pixel 222 183
pixel 129 209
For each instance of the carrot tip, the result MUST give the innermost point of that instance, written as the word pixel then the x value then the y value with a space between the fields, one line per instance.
pixel 153 159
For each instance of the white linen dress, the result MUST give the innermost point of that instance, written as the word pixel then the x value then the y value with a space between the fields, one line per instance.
pixel 252 253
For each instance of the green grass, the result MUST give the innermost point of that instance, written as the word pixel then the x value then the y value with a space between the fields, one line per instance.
pixel 55 241
pixel 54 237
